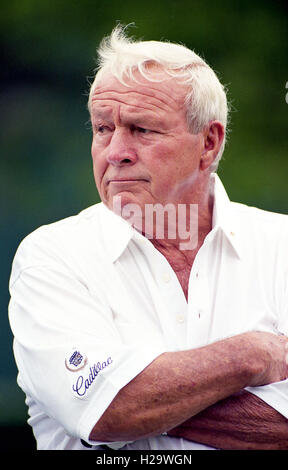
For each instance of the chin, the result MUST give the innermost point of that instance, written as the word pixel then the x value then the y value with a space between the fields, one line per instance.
pixel 122 199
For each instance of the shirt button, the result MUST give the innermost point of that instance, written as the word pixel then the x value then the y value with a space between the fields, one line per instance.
pixel 180 318
pixel 166 277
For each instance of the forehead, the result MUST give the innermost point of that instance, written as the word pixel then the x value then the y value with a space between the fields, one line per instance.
pixel 165 94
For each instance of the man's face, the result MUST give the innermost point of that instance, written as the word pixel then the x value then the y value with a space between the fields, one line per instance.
pixel 142 149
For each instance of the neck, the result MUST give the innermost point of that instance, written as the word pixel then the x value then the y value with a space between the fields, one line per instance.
pixel 186 224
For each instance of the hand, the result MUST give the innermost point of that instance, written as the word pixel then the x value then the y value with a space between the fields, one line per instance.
pixel 270 358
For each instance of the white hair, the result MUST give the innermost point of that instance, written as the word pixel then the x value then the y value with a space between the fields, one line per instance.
pixel 205 100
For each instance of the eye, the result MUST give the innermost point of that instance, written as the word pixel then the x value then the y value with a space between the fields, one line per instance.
pixel 142 130
pixel 101 129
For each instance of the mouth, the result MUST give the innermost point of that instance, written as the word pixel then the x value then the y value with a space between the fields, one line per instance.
pixel 126 180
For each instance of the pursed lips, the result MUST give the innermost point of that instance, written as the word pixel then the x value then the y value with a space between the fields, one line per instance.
pixel 125 180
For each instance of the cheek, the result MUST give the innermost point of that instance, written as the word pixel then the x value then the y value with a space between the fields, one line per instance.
pixel 165 160
pixel 172 165
pixel 160 155
pixel 99 163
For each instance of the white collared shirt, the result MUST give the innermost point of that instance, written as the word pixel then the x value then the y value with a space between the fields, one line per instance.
pixel 93 303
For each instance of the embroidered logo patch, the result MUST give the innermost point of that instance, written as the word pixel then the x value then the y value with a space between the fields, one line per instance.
pixel 76 361
pixel 82 384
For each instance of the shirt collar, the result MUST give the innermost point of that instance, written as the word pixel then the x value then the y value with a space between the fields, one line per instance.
pixel 224 216
pixel 117 232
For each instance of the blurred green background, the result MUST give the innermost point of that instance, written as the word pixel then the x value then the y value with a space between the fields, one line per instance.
pixel 47 52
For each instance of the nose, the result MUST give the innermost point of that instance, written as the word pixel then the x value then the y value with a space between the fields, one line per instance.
pixel 121 151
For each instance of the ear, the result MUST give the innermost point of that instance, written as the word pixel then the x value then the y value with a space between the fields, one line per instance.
pixel 213 138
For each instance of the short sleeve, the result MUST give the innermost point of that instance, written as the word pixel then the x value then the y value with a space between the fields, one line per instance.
pixel 70 356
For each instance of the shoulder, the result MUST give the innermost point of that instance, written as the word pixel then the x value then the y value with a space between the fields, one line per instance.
pixel 69 228
pixel 59 241
pixel 261 229
pixel 260 218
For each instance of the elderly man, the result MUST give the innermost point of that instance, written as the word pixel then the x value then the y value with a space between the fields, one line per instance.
pixel 162 328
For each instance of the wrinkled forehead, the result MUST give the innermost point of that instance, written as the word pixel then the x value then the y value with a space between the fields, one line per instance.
pixel 158 85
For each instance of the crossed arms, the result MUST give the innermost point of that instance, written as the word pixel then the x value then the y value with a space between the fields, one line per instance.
pixel 198 394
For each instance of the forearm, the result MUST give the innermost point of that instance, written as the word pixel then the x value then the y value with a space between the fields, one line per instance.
pixel 242 422
pixel 175 387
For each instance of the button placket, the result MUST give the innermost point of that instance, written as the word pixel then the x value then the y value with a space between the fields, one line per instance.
pixel 198 306
pixel 180 318
pixel 166 277
pixel 173 312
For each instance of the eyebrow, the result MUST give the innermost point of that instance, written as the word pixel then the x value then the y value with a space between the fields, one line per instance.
pixel 131 118
pixel 100 112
